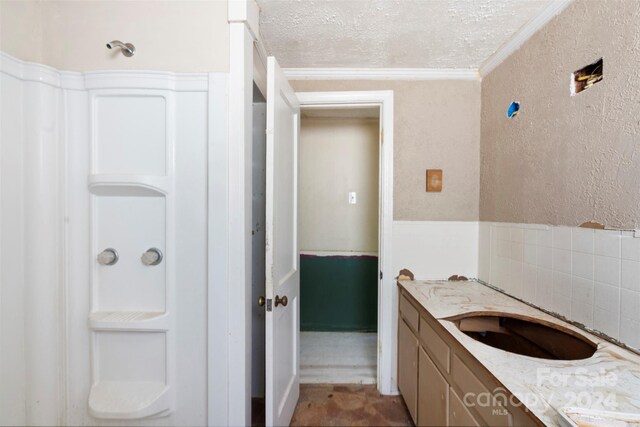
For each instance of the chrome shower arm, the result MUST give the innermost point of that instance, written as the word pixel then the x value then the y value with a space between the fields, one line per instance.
pixel 127 48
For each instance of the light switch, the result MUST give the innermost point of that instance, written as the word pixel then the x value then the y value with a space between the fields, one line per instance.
pixel 352 197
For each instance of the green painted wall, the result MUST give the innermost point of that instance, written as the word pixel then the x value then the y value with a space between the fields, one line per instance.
pixel 338 293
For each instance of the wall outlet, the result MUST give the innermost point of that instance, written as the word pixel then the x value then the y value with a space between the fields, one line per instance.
pixel 352 197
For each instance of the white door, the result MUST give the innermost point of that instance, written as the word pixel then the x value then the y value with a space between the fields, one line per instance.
pixel 282 285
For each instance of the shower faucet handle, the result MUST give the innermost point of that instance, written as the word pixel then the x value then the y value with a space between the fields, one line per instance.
pixel 153 256
pixel 108 256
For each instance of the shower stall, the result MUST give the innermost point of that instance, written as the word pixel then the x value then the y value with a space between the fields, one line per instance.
pixel 104 197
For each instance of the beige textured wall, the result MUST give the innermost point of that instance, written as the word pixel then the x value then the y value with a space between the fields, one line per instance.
pixel 179 36
pixel 21 29
pixel 338 156
pixel 565 160
pixel 436 126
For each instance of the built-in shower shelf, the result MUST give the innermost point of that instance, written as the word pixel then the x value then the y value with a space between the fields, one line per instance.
pixel 128 185
pixel 129 321
pixel 129 400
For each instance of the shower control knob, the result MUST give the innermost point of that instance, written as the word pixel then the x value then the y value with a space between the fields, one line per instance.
pixel 153 256
pixel 108 257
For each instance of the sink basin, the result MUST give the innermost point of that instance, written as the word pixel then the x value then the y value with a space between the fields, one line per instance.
pixel 525 336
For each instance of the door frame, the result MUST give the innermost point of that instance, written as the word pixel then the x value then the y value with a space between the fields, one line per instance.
pixel 229 229
pixel 229 232
pixel 387 316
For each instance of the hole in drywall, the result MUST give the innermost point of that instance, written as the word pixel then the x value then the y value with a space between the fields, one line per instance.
pixel 513 109
pixel 586 77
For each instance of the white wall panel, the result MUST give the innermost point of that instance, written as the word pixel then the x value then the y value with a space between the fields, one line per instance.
pixel 43 229
pixel 12 365
pixel 31 235
pixel 436 249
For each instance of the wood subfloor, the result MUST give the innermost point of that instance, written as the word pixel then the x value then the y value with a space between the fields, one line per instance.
pixel 348 405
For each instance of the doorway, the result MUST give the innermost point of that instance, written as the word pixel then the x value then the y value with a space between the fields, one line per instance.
pixel 385 297
pixel 338 229
pixel 258 240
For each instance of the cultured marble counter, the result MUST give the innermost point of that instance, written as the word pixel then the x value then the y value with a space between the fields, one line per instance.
pixel 609 380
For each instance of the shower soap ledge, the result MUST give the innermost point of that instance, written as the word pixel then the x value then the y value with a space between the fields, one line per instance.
pixel 129 400
pixel 127 185
pixel 129 321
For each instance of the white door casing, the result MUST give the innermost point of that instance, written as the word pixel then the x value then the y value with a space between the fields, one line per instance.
pixel 282 262
pixel 387 290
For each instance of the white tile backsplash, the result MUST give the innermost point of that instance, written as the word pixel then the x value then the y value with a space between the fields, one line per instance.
pixel 630 274
pixel 630 304
pixel 606 321
pixel 582 290
pixel 516 278
pixel 630 247
pixel 544 288
pixel 531 236
pixel 562 260
pixel 582 240
pixel 590 276
pixel 582 312
pixel 504 248
pixel 607 297
pixel 517 234
pixel 582 265
pixel 503 233
pixel 485 247
pixel 607 270
pixel 529 254
pixel 561 284
pixel 607 243
pixel 630 332
pixel 529 285
pixel 545 257
pixel 517 249
pixel 561 237
pixel 545 238
pixel 562 306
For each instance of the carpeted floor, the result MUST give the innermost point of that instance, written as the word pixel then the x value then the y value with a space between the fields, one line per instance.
pixel 348 405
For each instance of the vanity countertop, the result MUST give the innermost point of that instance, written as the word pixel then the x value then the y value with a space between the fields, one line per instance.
pixel 608 381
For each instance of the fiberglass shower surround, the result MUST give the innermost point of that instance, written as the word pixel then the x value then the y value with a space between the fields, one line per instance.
pixel 95 169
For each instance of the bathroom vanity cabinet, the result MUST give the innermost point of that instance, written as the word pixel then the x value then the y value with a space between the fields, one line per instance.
pixel 442 383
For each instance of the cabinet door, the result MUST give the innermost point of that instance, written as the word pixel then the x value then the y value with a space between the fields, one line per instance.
pixel 433 393
pixel 408 367
pixel 459 415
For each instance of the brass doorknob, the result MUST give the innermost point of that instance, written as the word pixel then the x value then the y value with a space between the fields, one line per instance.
pixel 261 301
pixel 282 301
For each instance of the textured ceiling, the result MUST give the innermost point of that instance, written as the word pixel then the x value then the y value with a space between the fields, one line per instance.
pixel 391 33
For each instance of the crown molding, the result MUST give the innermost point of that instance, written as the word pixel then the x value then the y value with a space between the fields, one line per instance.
pixel 381 74
pixel 521 36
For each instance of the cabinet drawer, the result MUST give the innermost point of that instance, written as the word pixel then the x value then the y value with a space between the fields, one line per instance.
pixel 433 393
pixel 459 415
pixel 436 345
pixel 492 412
pixel 409 313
